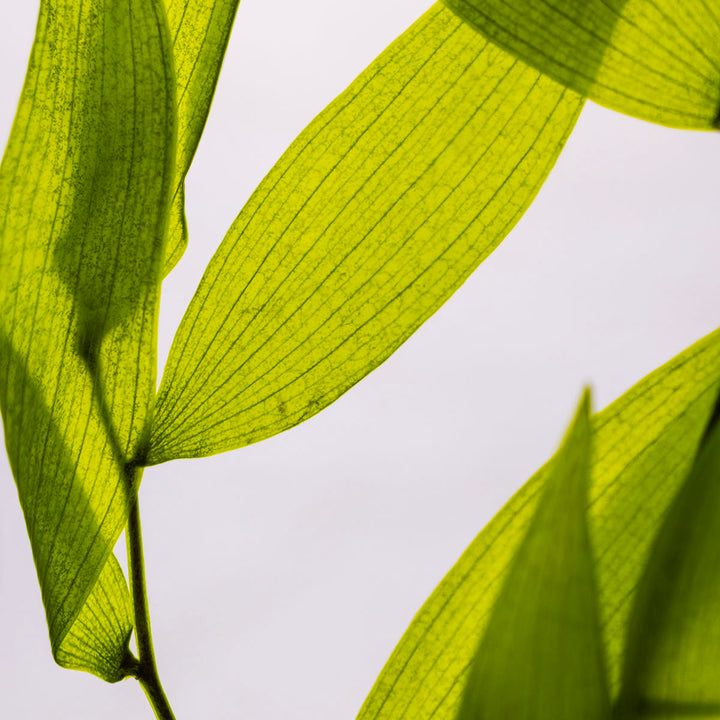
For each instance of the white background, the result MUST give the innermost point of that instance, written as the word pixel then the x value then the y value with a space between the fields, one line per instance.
pixel 282 575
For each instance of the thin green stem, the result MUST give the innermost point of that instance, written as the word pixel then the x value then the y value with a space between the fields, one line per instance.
pixel 146 669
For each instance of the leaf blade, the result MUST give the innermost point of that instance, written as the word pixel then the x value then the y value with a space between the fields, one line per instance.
pixel 200 32
pixel 659 60
pixel 645 443
pixel 541 655
pixel 358 234
pixel 672 658
pixel 81 252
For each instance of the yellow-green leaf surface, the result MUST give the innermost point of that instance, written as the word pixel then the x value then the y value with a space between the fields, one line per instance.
pixel 656 59
pixel 541 657
pixel 377 212
pixel 85 187
pixel 200 31
pixel 643 446
pixel 673 660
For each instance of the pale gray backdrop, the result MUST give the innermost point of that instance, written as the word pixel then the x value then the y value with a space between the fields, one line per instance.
pixel 282 575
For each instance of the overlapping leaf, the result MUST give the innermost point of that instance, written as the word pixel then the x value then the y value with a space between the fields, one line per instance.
pixel 200 31
pixel 644 445
pixel 656 59
pixel 378 211
pixel 541 657
pixel 85 188
pixel 673 659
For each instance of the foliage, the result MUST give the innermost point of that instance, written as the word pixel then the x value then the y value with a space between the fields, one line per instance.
pixel 524 667
pixel 643 446
pixel 371 219
pixel 655 59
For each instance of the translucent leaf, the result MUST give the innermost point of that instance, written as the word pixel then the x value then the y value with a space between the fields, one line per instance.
pixel 541 657
pixel 200 31
pixel 372 218
pixel 643 446
pixel 656 59
pixel 85 185
pixel 673 658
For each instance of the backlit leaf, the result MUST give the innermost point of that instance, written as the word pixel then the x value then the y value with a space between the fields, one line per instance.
pixel 85 185
pixel 378 211
pixel 200 31
pixel 673 659
pixel 643 446
pixel 541 657
pixel 656 59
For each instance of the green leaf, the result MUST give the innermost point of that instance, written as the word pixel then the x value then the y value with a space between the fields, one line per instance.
pixel 85 188
pixel 200 31
pixel 643 446
pixel 656 59
pixel 373 217
pixel 541 657
pixel 673 658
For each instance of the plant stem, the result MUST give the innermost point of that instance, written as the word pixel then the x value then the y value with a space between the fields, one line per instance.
pixel 146 669
pixel 143 668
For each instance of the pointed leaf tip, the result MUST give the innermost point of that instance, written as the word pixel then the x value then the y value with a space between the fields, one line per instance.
pixel 200 32
pixel 643 446
pixel 541 657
